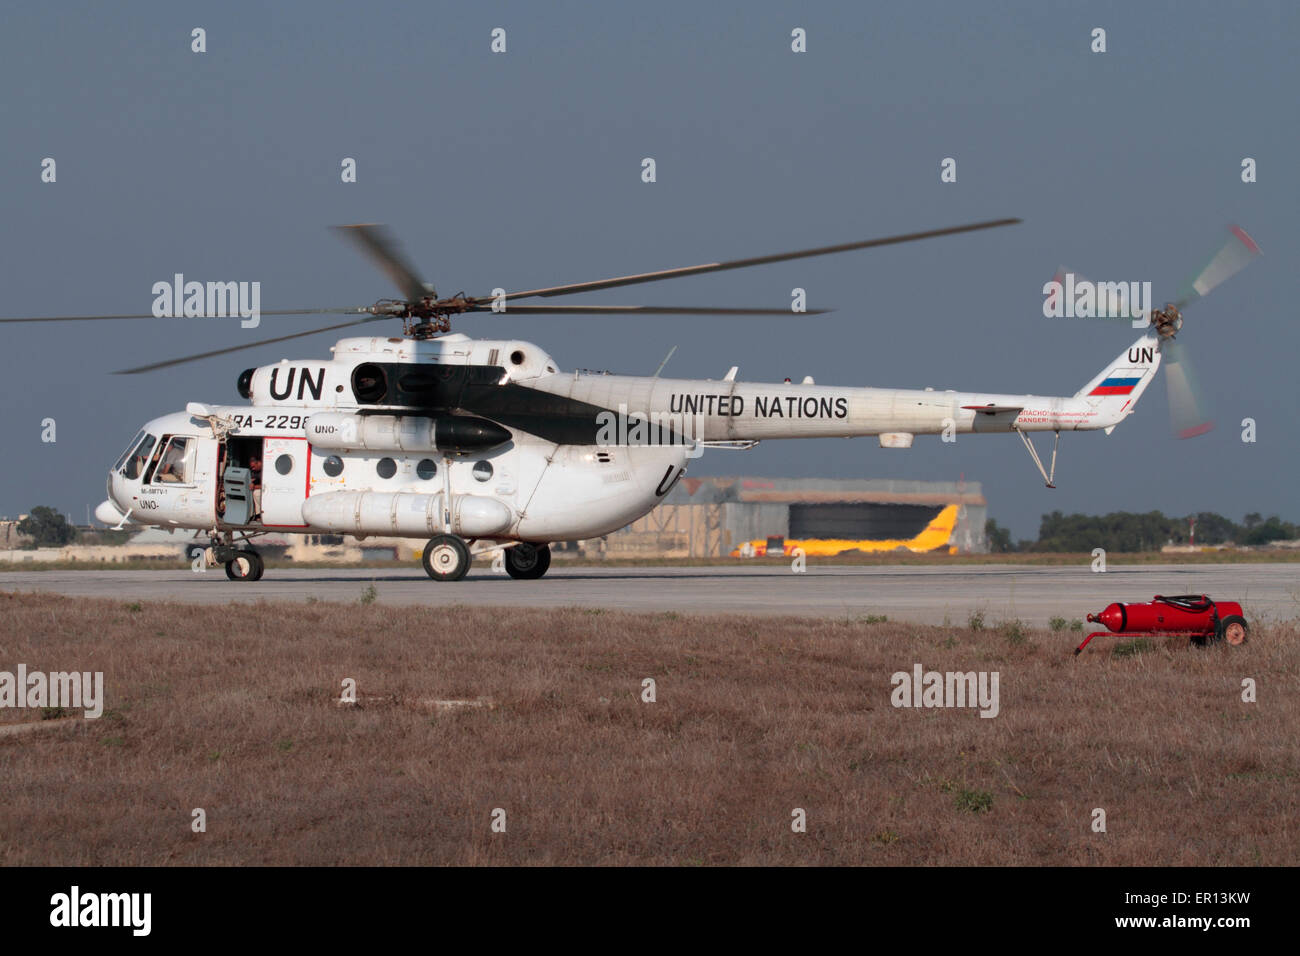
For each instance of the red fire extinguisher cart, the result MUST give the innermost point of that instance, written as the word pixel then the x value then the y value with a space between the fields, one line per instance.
pixel 1203 620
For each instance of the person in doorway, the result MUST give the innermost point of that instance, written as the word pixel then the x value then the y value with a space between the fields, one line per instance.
pixel 255 481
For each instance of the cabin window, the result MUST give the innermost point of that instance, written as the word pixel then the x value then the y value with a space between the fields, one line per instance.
pixel 284 464
pixel 173 465
pixel 333 466
pixel 482 470
pixel 426 469
pixel 386 468
pixel 136 461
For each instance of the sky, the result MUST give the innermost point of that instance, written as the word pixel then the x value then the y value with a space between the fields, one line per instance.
pixel 523 169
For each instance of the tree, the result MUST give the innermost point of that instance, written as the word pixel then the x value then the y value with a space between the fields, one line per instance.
pixel 1129 531
pixel 1274 529
pixel 1117 531
pixel 1214 528
pixel 47 528
pixel 999 537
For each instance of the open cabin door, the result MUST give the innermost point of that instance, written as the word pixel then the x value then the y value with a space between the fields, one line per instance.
pixel 286 481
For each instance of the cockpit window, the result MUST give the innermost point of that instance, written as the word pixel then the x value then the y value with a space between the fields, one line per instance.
pixel 136 461
pixel 129 448
pixel 154 459
pixel 174 465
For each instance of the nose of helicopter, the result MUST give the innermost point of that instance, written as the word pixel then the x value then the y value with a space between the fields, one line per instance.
pixel 117 506
pixel 106 512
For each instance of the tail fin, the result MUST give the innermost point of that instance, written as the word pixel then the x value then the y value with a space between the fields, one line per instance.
pixel 1115 390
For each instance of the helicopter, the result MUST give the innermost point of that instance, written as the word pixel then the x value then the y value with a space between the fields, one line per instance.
pixel 481 445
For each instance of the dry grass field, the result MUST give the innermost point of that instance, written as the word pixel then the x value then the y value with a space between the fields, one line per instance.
pixel 234 711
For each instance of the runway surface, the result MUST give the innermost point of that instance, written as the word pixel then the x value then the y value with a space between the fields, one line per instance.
pixel 930 595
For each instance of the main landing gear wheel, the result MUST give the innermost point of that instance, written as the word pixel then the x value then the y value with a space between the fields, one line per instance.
pixel 1232 630
pixel 446 558
pixel 528 562
pixel 246 566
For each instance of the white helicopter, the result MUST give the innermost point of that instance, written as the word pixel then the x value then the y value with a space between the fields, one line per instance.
pixel 481 445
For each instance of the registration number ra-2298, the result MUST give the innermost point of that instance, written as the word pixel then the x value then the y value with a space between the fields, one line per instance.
pixel 270 421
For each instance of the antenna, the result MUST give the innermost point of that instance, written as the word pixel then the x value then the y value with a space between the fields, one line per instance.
pixel 664 362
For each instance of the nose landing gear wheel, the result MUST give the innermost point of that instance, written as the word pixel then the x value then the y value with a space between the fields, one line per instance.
pixel 528 562
pixel 446 558
pixel 246 566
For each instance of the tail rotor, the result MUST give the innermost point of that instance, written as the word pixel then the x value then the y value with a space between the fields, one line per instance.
pixel 1189 412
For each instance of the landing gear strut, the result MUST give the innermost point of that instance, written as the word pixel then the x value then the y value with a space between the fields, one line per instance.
pixel 446 558
pixel 242 563
pixel 1048 477
pixel 528 562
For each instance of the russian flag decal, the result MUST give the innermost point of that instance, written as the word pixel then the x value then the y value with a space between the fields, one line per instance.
pixel 1115 386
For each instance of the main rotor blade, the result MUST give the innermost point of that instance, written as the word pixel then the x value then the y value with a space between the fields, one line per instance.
pixel 248 345
pixel 1237 253
pixel 639 310
pixel 350 310
pixel 378 243
pixel 75 318
pixel 1188 413
pixel 744 263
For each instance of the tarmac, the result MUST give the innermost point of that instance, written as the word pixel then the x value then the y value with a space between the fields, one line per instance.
pixel 922 594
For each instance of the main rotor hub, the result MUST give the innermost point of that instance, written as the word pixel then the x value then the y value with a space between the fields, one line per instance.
pixel 427 317
pixel 1167 321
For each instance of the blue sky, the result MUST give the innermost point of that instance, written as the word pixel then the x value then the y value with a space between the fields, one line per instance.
pixel 523 169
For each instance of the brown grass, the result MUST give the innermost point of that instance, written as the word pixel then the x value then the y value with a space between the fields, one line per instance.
pixel 233 710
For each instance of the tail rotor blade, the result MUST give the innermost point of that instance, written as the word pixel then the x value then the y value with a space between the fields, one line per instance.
pixel 1188 412
pixel 1237 253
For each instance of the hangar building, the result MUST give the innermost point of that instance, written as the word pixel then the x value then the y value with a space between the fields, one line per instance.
pixel 716 517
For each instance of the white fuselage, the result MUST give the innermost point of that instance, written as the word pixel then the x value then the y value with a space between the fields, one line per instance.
pixel 336 455
pixel 748 411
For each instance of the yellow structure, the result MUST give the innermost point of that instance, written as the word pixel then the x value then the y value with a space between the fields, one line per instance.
pixel 936 536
